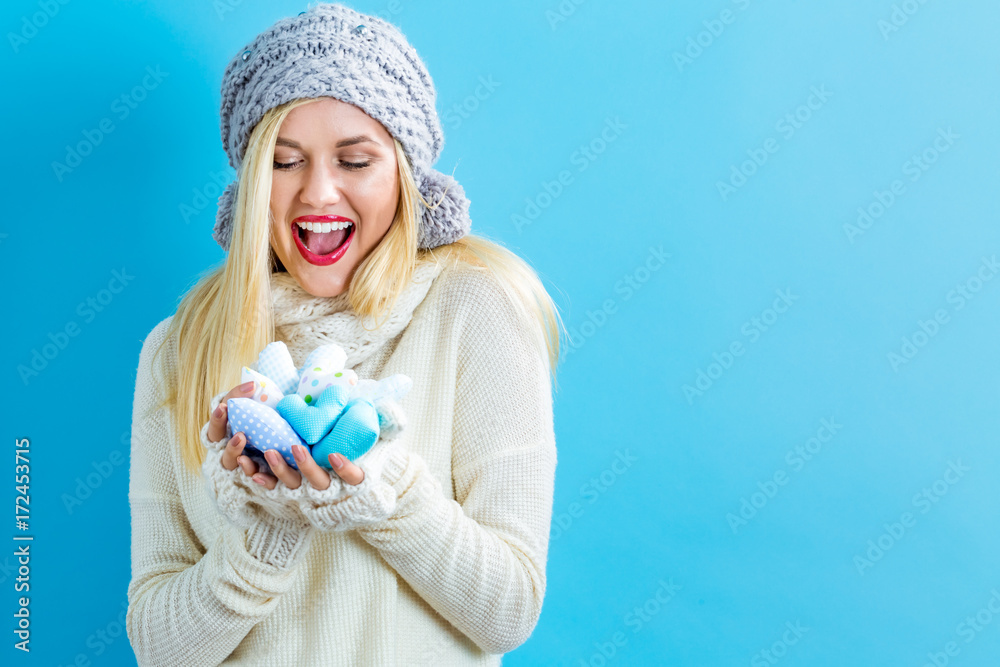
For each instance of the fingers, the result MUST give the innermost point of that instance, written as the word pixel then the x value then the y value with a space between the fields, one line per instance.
pixel 233 450
pixel 217 422
pixel 247 464
pixel 265 480
pixel 317 476
pixel 287 474
pixel 348 472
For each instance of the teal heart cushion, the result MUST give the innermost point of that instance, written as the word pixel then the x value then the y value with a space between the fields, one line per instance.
pixel 314 422
pixel 352 435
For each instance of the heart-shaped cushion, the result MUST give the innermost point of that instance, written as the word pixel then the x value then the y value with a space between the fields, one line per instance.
pixel 329 357
pixel 353 434
pixel 312 422
pixel 323 367
pixel 315 381
pixel 266 391
pixel 275 362
pixel 263 427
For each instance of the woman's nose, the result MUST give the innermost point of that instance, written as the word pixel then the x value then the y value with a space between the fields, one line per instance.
pixel 321 188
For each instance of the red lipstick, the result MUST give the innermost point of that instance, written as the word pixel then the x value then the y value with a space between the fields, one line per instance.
pixel 335 255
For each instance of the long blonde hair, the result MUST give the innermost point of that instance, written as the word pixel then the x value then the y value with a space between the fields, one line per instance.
pixel 225 319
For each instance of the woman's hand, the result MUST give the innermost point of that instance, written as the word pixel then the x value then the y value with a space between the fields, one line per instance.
pixel 233 455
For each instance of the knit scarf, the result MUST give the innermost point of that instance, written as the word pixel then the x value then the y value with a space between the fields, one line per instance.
pixel 305 321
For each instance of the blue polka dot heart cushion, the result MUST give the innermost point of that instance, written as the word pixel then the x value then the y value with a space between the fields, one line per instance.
pixel 264 429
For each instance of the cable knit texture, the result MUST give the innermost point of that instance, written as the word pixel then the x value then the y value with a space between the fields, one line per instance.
pixel 438 558
pixel 276 532
pixel 331 50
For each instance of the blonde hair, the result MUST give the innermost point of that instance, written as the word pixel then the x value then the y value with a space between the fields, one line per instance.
pixel 225 319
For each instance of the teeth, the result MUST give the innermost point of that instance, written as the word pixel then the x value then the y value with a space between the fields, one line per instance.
pixel 323 227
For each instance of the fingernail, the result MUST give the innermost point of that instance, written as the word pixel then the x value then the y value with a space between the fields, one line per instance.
pixel 299 453
pixel 218 411
pixel 272 458
pixel 335 460
pixel 235 439
pixel 246 386
pixel 259 481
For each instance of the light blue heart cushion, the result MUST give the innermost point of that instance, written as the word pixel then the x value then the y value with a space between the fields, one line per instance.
pixel 313 422
pixel 354 433
pixel 275 362
pixel 264 429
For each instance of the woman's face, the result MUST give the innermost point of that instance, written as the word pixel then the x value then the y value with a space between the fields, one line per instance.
pixel 333 161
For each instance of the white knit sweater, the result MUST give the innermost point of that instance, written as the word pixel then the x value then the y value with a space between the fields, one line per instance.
pixel 455 575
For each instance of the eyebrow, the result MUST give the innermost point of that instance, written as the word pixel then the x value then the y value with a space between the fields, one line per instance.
pixel 360 139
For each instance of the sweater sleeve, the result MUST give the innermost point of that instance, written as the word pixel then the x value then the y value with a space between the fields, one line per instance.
pixel 479 560
pixel 188 604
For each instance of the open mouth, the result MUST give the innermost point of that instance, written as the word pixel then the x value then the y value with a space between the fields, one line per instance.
pixel 322 243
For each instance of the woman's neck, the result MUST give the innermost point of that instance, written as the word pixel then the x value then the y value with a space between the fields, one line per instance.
pixel 304 321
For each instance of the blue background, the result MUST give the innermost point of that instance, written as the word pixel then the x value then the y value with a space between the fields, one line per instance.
pixel 673 130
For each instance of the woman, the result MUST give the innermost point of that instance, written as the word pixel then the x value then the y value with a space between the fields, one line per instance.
pixel 429 548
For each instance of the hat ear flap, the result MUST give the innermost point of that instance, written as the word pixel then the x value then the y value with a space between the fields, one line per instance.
pixel 223 230
pixel 449 220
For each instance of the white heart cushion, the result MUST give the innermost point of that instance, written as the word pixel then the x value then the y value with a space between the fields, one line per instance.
pixel 323 368
pixel 266 390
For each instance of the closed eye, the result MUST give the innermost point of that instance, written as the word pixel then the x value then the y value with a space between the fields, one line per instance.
pixel 354 166
pixel 350 166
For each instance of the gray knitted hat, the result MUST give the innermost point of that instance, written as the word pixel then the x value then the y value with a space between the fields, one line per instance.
pixel 334 51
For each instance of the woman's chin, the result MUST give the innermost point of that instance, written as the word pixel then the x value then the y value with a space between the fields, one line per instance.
pixel 320 281
pixel 321 277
